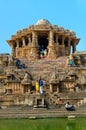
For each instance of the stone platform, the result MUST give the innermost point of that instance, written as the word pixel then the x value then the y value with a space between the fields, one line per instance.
pixel 26 112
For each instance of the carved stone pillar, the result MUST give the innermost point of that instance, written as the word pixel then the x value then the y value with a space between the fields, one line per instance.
pixel 51 37
pixel 34 41
pixel 42 101
pixel 28 47
pixel 13 51
pixel 17 48
pixel 63 38
pixel 57 38
pixel 23 48
pixel 74 47
pixel 51 88
pixel 69 47
pixel 51 47
pixel 57 45
pixel 71 89
pixel 17 42
pixel 23 41
pixel 63 46
pixel 29 40
pixel 57 88
pixel 33 53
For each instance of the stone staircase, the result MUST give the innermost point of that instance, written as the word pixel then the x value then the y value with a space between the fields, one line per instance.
pixel 41 67
pixel 44 67
pixel 22 112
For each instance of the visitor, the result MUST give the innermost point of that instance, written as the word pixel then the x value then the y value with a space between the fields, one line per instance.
pixel 42 51
pixel 37 87
pixel 41 85
pixel 69 107
pixel 71 63
pixel 19 64
pixel 45 52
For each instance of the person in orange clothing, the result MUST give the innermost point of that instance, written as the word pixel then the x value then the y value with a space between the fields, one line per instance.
pixel 37 87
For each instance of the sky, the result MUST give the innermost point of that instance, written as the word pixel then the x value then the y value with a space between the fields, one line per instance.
pixel 19 14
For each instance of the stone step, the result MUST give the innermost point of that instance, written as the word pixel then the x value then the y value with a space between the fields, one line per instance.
pixel 46 68
pixel 41 113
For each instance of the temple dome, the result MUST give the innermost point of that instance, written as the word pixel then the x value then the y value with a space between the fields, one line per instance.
pixel 43 22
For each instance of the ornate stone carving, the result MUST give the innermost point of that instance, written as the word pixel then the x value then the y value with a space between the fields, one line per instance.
pixel 42 27
pixel 26 79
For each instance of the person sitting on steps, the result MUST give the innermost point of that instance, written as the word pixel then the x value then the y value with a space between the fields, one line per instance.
pixel 69 107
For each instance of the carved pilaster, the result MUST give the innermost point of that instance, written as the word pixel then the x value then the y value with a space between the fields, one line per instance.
pixel 34 39
pixel 33 53
pixel 52 52
pixel 63 47
pixel 68 48
pixel 51 88
pixel 58 89
pixel 13 51
pixel 51 37
pixel 63 38
pixel 17 42
pixel 29 40
pixel 69 42
pixel 51 47
pixel 56 38
pixel 17 47
pixel 23 49
pixel 74 47
pixel 57 45
pixel 23 41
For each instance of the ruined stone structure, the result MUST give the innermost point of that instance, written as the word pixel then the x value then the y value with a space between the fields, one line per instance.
pixel 47 51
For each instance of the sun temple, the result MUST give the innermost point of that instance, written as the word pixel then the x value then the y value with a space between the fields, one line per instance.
pixel 44 69
pixel 43 40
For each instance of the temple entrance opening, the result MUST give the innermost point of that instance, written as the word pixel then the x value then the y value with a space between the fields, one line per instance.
pixel 25 88
pixel 43 41
pixel 42 45
pixel 39 102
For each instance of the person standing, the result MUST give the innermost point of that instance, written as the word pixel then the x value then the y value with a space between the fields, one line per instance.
pixel 41 85
pixel 37 87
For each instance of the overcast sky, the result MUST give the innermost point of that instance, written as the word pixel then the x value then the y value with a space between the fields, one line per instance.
pixel 19 14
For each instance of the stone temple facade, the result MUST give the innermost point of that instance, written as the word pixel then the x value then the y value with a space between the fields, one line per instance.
pixel 48 52
pixel 57 40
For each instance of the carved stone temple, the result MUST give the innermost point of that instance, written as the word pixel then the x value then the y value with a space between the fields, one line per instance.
pixel 47 52
pixel 57 40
